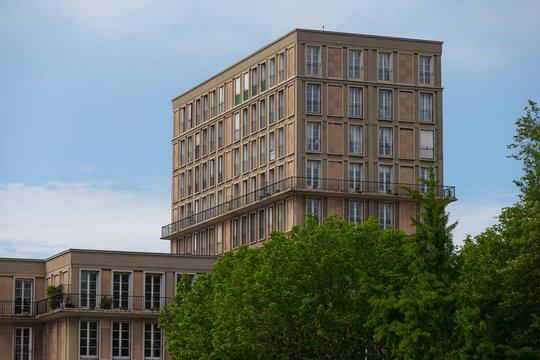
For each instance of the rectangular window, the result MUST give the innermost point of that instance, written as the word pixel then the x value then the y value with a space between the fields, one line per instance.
pixel 356 212
pixel 183 119
pixel 262 112
pixel 121 288
pixel 313 136
pixel 197 174
pixel 254 80
pixel 212 172
pixel 244 230
pixel 237 91
pixel 235 233
pixel 271 147
pixel 281 142
pixel 221 98
pixel 89 283
pixel 204 142
pixel 355 140
pixel 220 168
pixel 426 144
pixel 314 208
pixel 245 158
pixel 385 104
pixel 121 341
pixel 263 150
pixel 281 66
pixel 261 224
pixel 197 112
pixel 253 118
pixel 314 98
pixel 270 220
pixel 386 216
pixel 246 86
pixel 355 177
pixel 424 174
pixel 272 65
pixel 24 296
pixel 252 227
pixel 189 182
pixel 385 178
pixel 263 77
pixel 88 340
pixel 313 60
pixel 220 135
pixel 203 233
pixel 385 67
pixel 385 141
pixel 152 291
pixel 281 105
pixel 254 155
pixel 211 238
pixel 425 74
pixel 152 341
pixel 190 116
pixel 182 185
pixel 279 210
pixel 426 107
pixel 271 109
pixel 313 173
pixel 236 126
pixel 204 176
pixel 219 239
pixel 245 122
pixel 197 145
pixel 23 343
pixel 355 64
pixel 212 138
pixel 190 149
pixel 212 103
pixel 236 167
pixel 356 106
pixel 205 108
pixel 182 153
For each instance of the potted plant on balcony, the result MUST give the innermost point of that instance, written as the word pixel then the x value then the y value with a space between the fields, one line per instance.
pixel 26 311
pixel 106 302
pixel 68 301
pixel 389 191
pixel 54 295
pixel 314 186
pixel 357 189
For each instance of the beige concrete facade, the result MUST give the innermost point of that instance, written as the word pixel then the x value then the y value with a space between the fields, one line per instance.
pixel 316 122
pixel 78 323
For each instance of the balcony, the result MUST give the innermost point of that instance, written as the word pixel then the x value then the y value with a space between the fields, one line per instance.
pixel 70 302
pixel 309 186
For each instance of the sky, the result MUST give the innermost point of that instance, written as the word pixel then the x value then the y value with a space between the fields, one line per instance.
pixel 86 89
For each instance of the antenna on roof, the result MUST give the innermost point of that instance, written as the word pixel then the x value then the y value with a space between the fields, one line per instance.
pixel 323 28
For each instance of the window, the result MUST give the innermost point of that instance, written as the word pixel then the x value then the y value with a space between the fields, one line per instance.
pixel 385 178
pixel 314 208
pixel 253 118
pixel 212 138
pixel 88 340
pixel 425 75
pixel 212 172
pixel 24 296
pixel 313 60
pixel 279 210
pixel 236 126
pixel 182 185
pixel 252 227
pixel 197 177
pixel 385 104
pixel 424 174
pixel 221 99
pixel 355 177
pixel 261 224
pixel 205 107
pixel 271 109
pixel 386 214
pixel 385 67
pixel 197 145
pixel 281 66
pixel 190 116
pixel 197 112
pixel 211 237
pixel 190 149
pixel 263 150
pixel 313 136
pixel 355 64
pixel 236 167
pixel 254 155
pixel 245 157
pixel 272 65
pixel 385 141
pixel 246 86
pixel 355 139
pixel 314 98
pixel 121 344
pixel 313 173
pixel 220 134
pixel 271 147
pixel 237 91
pixel 183 119
pixel 204 176
pixel 281 105
pixel 281 142
pixel 89 282
pixel 212 103
pixel 182 153
pixel 219 240
pixel 356 212
pixel 426 107
pixel 189 182
pixel 270 219
pixel 152 341
pixel 244 230
pixel 23 343
pixel 281 177
pixel 235 233
pixel 356 106
pixel 220 168
pixel 254 80
pixel 204 142
pixel 263 77
pixel 262 110
pixel 245 122
pixel 152 291
pixel 426 144
pixel 121 288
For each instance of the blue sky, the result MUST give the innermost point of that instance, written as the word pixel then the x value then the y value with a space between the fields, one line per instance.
pixel 85 112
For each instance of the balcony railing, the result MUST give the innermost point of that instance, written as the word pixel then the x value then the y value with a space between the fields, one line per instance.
pixel 87 302
pixel 302 184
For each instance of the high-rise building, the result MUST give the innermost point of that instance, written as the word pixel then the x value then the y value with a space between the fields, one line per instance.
pixel 315 122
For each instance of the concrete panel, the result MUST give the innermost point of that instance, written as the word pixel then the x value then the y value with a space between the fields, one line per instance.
pixel 406 143
pixel 335 100
pixel 406 210
pixel 335 138
pixel 291 69
pixel 405 68
pixel 138 283
pixel 175 188
pixel 175 156
pixel 335 171
pixel 138 339
pixel 106 282
pixel 6 338
pixel 290 215
pixel 406 106
pixel 406 175
pixel 227 124
pixel 335 206
pixel 6 288
pixel 335 62
pixel 290 100
pixel 229 96
pixel 290 139
pixel 106 341
pixel 176 123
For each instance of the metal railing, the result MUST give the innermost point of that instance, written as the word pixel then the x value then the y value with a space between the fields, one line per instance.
pixel 303 184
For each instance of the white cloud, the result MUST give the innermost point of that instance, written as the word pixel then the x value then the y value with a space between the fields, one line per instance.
pixel 39 221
